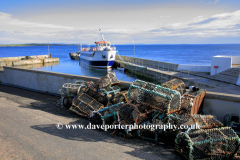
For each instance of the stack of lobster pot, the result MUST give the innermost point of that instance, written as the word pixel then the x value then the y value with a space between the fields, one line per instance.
pixel 216 143
pixel 95 96
pixel 144 99
pixel 69 91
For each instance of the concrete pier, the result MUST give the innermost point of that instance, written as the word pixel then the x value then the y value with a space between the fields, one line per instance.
pixel 19 61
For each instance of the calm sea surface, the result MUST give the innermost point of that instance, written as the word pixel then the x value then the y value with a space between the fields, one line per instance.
pixel 180 54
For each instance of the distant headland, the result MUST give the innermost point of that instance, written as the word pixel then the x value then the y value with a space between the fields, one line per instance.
pixel 36 44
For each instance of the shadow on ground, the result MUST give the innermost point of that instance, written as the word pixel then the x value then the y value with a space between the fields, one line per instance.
pixel 142 148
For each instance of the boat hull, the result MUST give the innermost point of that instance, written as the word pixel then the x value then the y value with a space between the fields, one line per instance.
pixel 98 59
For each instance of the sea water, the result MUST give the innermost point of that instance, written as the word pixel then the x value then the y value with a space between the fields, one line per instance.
pixel 199 54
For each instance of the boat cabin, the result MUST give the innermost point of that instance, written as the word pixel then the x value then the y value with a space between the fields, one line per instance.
pixel 103 44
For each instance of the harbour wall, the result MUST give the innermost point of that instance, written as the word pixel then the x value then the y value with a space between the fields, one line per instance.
pixel 161 76
pixel 28 61
pixel 222 63
pixel 164 65
pixel 21 57
pixel 50 82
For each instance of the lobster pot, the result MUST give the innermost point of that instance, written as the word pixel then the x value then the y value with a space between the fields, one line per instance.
pixel 93 92
pixel 109 92
pixel 76 110
pixel 207 121
pixel 145 85
pixel 86 104
pixel 149 132
pixel 217 143
pixel 175 84
pixel 86 83
pixel 192 101
pixel 69 90
pixel 107 115
pixel 175 97
pixel 234 122
pixel 130 113
pixel 113 78
pixel 161 99
pixel 187 121
pixel 109 79
pixel 82 89
pixel 120 97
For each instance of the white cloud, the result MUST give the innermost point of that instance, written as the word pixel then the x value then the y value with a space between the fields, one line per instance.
pixel 6 19
pixel 216 25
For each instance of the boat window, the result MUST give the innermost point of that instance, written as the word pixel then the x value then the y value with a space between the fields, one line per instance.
pixel 104 44
pixel 108 44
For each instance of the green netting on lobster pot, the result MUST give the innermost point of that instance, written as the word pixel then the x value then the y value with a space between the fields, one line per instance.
pixel 175 84
pixel 217 143
pixel 93 92
pixel 82 89
pixel 131 113
pixel 192 101
pixel 109 91
pixel 161 98
pixel 107 115
pixel 175 96
pixel 145 85
pixel 151 131
pixel 207 121
pixel 69 90
pixel 86 104
pixel 120 97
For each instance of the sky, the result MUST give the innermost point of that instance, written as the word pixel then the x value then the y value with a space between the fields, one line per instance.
pixel 122 22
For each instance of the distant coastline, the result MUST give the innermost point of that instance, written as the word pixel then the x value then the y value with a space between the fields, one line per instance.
pixel 35 44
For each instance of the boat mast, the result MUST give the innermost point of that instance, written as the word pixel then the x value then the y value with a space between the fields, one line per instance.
pixel 101 34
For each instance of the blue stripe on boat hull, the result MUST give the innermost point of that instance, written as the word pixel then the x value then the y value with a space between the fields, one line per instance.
pixel 101 64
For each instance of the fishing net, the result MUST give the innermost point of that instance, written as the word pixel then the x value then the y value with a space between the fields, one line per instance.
pixel 145 85
pixel 192 101
pixel 109 92
pixel 109 79
pixel 107 115
pixel 86 83
pixel 82 89
pixel 172 124
pixel 113 78
pixel 175 97
pixel 131 113
pixel 175 84
pixel 86 104
pixel 161 98
pixel 76 110
pixel 217 143
pixel 93 92
pixel 120 97
pixel 69 89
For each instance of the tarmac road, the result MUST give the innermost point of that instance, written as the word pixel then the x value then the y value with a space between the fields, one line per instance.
pixel 28 131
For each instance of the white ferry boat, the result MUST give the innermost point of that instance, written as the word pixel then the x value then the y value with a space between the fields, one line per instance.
pixel 101 56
